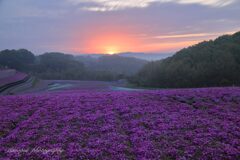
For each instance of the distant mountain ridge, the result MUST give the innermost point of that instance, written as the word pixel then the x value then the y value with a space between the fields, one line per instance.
pixel 146 56
pixel 138 55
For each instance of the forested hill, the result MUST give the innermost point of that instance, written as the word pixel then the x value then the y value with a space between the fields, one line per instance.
pixel 113 63
pixel 64 66
pixel 210 63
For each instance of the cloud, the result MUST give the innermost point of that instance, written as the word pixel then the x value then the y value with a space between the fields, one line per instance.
pixel 112 5
pixel 191 35
pixel 213 3
pixel 186 35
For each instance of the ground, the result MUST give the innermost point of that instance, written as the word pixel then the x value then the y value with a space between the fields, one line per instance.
pixel 34 85
pixel 90 124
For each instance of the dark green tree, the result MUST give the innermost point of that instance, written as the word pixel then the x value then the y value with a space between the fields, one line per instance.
pixel 211 63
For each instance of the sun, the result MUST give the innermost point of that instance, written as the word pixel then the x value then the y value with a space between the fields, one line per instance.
pixel 112 50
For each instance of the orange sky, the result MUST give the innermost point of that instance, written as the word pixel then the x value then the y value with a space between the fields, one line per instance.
pixel 111 43
pixel 110 39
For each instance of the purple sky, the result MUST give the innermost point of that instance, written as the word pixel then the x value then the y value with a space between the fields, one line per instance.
pixel 110 26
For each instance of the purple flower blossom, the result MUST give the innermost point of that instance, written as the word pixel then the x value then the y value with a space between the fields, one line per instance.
pixel 12 78
pixel 164 124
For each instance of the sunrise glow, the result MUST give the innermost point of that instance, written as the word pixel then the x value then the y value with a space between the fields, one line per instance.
pixel 112 50
pixel 108 41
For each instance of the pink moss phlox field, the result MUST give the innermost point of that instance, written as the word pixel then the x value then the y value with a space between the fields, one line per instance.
pixel 164 124
pixel 14 78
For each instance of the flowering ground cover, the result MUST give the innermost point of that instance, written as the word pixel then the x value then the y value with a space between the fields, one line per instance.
pixel 6 73
pixel 13 78
pixel 164 124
